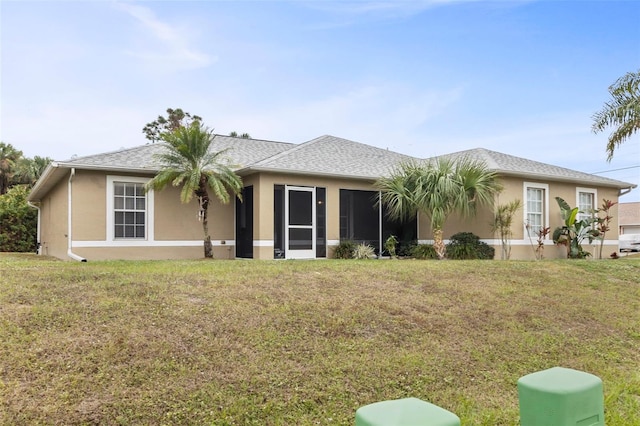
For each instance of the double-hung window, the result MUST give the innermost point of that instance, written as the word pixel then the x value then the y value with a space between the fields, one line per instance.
pixel 586 203
pixel 129 209
pixel 536 214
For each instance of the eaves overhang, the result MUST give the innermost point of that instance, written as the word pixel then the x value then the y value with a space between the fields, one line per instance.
pixel 56 170
pixel 249 170
pixel 609 183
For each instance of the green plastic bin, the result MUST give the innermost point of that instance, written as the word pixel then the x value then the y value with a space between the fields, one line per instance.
pixel 561 397
pixel 405 412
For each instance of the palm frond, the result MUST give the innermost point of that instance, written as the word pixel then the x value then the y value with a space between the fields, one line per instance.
pixel 187 160
pixel 621 112
pixel 438 189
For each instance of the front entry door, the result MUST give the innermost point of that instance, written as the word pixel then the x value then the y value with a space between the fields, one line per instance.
pixel 300 230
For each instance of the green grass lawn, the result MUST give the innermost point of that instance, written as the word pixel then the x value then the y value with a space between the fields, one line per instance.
pixel 306 342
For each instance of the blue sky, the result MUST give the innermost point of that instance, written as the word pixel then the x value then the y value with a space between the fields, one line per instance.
pixel 419 77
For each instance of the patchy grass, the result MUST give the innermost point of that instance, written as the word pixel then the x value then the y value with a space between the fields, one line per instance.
pixel 274 343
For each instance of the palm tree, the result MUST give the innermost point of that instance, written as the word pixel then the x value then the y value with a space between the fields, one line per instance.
pixel 9 157
pixel 29 170
pixel 188 161
pixel 438 189
pixel 622 111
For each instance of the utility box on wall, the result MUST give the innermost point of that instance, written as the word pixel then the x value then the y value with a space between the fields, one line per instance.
pixel 561 397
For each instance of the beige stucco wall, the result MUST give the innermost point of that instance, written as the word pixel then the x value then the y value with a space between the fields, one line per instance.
pixel 53 221
pixel 178 222
pixel 173 221
pixel 513 188
pixel 89 208
pixel 263 204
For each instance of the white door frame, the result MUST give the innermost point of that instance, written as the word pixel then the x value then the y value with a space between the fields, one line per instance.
pixel 295 253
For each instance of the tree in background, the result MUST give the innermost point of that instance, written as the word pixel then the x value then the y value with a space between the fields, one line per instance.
pixel 622 112
pixel 188 161
pixel 235 134
pixel 438 189
pixel 18 221
pixel 176 118
pixel 9 157
pixel 29 170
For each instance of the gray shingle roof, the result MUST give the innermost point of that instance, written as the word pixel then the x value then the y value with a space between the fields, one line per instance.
pixel 334 156
pixel 326 155
pixel 241 153
pixel 517 166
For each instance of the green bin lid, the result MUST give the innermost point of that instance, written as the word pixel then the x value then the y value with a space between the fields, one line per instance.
pixel 405 412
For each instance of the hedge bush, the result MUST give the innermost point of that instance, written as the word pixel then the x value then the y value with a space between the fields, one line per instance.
pixel 466 245
pixel 424 251
pixel 344 250
pixel 18 221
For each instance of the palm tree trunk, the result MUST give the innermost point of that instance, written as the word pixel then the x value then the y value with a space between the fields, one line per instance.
pixel 208 248
pixel 204 206
pixel 438 244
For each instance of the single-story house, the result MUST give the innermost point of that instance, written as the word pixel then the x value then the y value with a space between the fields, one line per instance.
pixel 299 202
pixel 629 218
pixel 629 226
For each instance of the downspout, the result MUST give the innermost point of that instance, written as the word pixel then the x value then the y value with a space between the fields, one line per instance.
pixel 70 253
pixel 38 241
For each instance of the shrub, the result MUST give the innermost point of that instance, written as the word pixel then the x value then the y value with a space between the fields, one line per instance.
pixel 405 248
pixel 364 251
pixel 18 221
pixel 466 245
pixel 344 250
pixel 424 251
pixel 390 245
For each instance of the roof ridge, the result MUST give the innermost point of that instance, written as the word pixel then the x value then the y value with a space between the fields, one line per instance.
pixel 152 145
pixel 254 139
pixel 499 165
pixel 115 151
pixel 369 146
pixel 484 152
pixel 296 147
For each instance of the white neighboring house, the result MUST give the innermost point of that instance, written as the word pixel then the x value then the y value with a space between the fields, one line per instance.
pixel 629 223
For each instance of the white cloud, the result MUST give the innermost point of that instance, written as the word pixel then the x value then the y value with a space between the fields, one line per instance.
pixel 389 10
pixel 163 43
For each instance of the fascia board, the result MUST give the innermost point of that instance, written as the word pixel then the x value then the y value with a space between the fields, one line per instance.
pixel 108 168
pixel 249 170
pixel 55 170
pixel 548 178
pixel 49 173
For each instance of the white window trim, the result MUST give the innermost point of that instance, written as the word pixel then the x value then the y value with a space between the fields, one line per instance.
pixel 545 224
pixel 587 190
pixel 149 213
pixel 143 243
